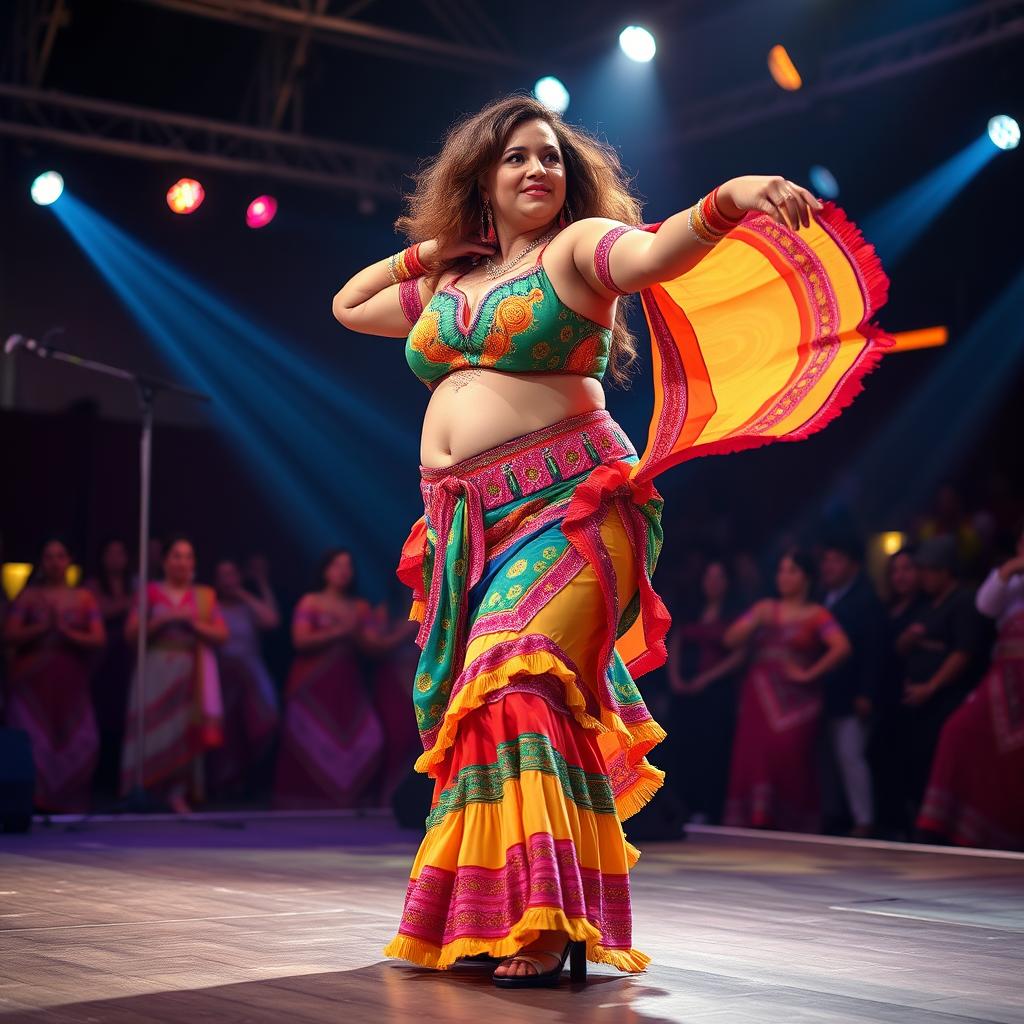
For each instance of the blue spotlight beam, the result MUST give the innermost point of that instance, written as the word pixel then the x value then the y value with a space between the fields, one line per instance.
pixel 245 334
pixel 895 227
pixel 922 442
pixel 263 390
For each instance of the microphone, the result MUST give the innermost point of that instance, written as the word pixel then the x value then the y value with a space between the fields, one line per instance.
pixel 39 348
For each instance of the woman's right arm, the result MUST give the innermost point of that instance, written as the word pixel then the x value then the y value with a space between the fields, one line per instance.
pixel 746 625
pixel 307 635
pixel 994 594
pixel 371 303
pixel 19 628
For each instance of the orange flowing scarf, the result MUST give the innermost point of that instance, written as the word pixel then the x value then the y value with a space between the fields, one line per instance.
pixel 766 339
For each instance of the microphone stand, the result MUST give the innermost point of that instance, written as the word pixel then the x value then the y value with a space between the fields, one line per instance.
pixel 148 389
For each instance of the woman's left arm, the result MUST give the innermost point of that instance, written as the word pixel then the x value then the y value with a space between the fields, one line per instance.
pixel 93 636
pixel 641 258
pixel 838 650
pixel 211 628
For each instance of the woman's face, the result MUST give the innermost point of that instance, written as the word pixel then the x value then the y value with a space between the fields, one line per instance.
pixel 527 186
pixel 790 579
pixel 180 564
pixel 903 577
pixel 55 562
pixel 715 582
pixel 227 578
pixel 339 573
pixel 115 558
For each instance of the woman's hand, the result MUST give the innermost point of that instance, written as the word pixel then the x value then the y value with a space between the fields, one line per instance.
pixel 916 694
pixel 432 257
pixel 783 200
pixel 1011 568
pixel 796 674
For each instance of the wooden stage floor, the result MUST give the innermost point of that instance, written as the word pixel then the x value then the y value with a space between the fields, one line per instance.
pixel 257 919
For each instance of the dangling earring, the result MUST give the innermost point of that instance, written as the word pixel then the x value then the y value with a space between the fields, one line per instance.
pixel 486 223
pixel 563 217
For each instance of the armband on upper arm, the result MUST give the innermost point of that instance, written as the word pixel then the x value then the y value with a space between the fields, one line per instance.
pixel 410 299
pixel 603 251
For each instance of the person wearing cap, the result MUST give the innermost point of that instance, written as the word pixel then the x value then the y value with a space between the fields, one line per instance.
pixel 941 650
pixel 850 688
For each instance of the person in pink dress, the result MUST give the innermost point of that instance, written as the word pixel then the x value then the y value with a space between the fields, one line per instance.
pixel 52 630
pixel 332 741
pixel 180 689
pixel 793 644
pixel 975 794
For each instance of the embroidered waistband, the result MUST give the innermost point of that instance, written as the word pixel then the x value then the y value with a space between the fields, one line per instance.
pixel 537 460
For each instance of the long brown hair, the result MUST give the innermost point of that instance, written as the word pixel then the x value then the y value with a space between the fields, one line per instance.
pixel 446 201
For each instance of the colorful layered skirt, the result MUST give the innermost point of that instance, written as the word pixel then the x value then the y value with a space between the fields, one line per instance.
pixel 532 560
pixel 531 574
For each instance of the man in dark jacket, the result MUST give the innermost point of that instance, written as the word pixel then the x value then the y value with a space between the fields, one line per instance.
pixel 850 689
pixel 943 657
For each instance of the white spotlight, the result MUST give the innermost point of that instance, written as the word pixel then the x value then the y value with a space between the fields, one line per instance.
pixel 637 44
pixel 1004 131
pixel 47 188
pixel 550 91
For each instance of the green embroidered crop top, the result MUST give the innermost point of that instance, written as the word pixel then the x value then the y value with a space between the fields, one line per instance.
pixel 521 326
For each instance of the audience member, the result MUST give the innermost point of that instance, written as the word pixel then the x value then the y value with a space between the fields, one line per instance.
pixel 794 644
pixel 51 631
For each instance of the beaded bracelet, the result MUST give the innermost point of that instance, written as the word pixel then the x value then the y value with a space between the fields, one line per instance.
pixel 707 222
pixel 699 228
pixel 406 265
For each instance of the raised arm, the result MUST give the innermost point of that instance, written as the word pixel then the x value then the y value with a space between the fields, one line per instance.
pixel 633 260
pixel 386 297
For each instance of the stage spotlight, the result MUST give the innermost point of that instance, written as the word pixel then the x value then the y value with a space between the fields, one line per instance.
pixel 47 188
pixel 824 182
pixel 783 70
pixel 550 91
pixel 261 211
pixel 1004 132
pixel 637 44
pixel 185 195
pixel 15 575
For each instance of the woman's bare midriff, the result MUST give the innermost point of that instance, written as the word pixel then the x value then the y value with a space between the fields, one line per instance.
pixel 473 410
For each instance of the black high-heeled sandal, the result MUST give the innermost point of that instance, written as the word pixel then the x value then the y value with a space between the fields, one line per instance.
pixel 575 951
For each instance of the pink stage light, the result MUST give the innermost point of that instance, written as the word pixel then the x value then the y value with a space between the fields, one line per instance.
pixel 261 211
pixel 185 195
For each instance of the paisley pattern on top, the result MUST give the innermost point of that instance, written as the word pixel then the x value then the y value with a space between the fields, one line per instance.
pixel 521 326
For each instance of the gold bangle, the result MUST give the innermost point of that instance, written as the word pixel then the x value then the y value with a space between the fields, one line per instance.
pixel 700 230
pixel 399 268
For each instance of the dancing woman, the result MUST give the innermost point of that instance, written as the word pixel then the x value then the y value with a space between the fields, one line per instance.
pixel 331 738
pixel 795 644
pixel 54 631
pixel 531 568
pixel 180 687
